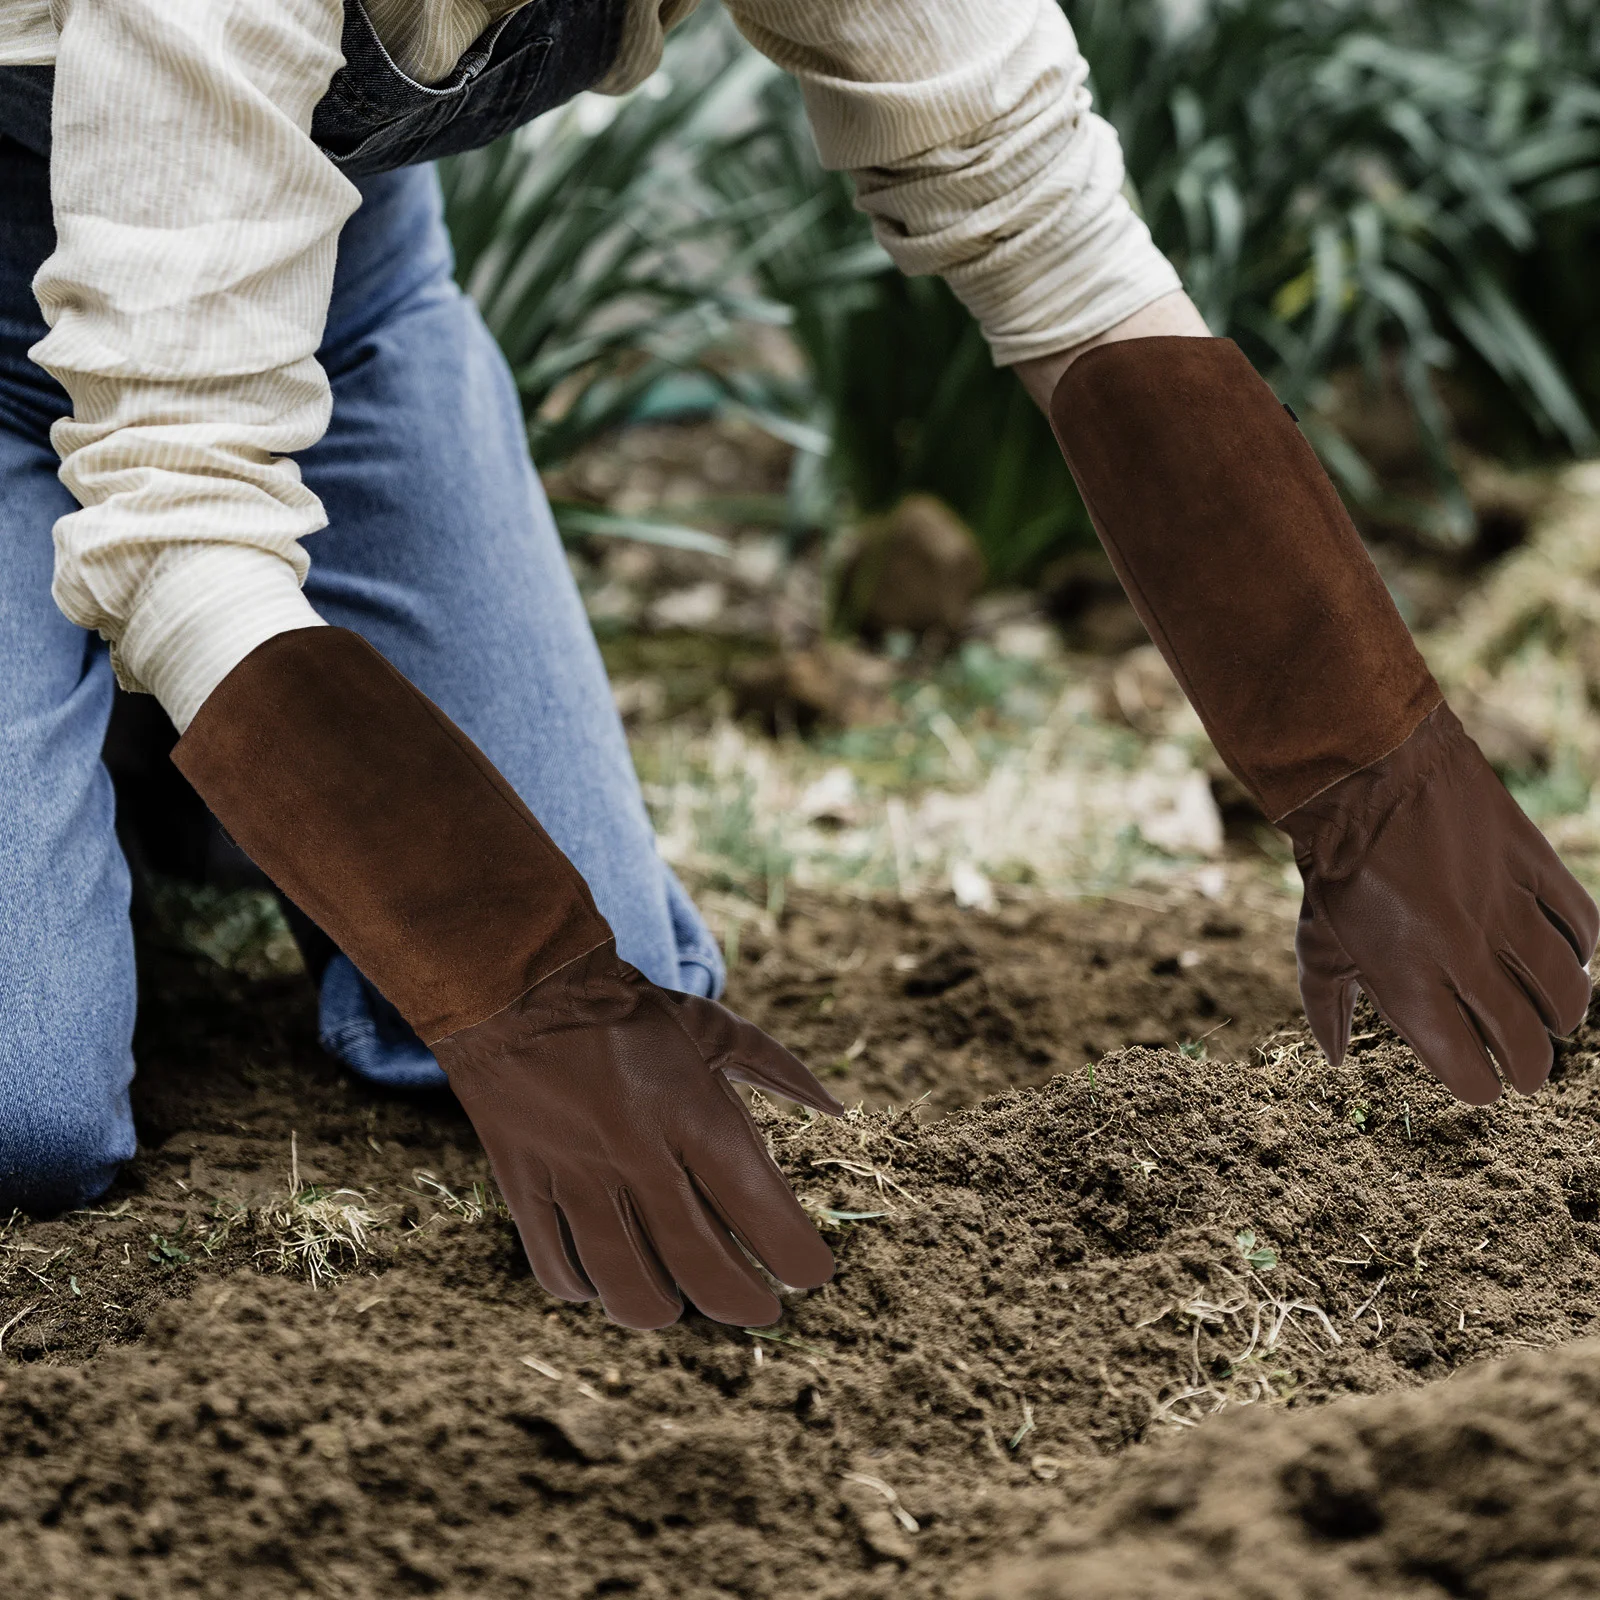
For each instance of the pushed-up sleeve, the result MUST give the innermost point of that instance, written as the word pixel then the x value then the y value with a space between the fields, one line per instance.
pixel 968 129
pixel 197 225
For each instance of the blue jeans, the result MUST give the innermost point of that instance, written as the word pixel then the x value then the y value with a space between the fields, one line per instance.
pixel 440 550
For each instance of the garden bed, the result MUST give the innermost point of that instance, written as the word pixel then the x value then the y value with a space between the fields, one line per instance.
pixel 1107 1334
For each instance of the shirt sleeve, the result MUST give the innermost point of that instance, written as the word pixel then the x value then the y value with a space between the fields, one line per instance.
pixel 197 225
pixel 968 129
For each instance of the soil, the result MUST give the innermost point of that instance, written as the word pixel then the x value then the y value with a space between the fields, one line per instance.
pixel 1147 1325
pixel 895 1002
pixel 1488 1486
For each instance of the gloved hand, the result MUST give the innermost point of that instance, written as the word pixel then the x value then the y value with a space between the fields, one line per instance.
pixel 1426 886
pixel 1424 883
pixel 629 1162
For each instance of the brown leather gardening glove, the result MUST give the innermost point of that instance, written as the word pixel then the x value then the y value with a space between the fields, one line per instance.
pixel 1424 883
pixel 1425 853
pixel 631 1166
pixel 629 1162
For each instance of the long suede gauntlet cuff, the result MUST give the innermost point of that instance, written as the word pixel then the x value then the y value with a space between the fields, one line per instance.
pixel 389 828
pixel 1240 559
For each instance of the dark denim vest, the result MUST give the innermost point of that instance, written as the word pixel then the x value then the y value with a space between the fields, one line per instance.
pixel 374 118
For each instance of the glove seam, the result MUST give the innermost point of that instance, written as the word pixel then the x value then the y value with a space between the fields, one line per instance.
pixel 500 1011
pixel 1279 820
pixel 1362 833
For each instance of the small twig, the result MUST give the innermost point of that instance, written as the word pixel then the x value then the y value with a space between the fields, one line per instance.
pixel 1366 1305
pixel 26 1311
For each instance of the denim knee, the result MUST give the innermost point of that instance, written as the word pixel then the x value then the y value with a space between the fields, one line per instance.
pixel 66 1122
pixel 55 1156
pixel 68 996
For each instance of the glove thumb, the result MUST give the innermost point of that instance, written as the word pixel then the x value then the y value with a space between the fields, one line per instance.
pixel 1329 982
pixel 741 1051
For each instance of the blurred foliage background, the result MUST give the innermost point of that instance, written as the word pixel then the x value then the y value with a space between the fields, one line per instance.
pixel 1404 191
pixel 1393 205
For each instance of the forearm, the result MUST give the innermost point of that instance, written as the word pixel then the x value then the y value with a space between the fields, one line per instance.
pixel 1173 315
pixel 1424 884
pixel 968 129
pixel 196 232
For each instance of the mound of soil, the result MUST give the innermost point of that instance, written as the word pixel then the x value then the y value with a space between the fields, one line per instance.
pixel 1037 1296
pixel 1488 1486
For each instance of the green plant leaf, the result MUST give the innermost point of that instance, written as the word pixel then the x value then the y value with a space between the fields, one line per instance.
pixel 587 522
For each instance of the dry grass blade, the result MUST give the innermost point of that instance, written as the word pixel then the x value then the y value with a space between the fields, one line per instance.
pixel 315 1230
pixel 861 1170
pixel 473 1207
pixel 878 1486
pixel 545 1370
pixel 25 1312
pixel 318 1231
pixel 1221 1377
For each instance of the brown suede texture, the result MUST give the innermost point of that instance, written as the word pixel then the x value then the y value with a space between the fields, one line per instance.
pixel 388 827
pixel 1242 563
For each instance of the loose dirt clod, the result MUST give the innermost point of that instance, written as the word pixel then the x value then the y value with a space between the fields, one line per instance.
pixel 1073 1327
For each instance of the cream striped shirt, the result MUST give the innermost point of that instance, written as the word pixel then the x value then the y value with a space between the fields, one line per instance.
pixel 197 225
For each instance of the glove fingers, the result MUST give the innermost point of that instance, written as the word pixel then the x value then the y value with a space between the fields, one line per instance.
pixel 742 1183
pixel 1568 909
pixel 543 1230
pixel 1511 1026
pixel 748 1055
pixel 1330 1006
pixel 709 1267
pixel 1541 961
pixel 548 1246
pixel 1447 1039
pixel 1328 983
pixel 618 1258
pixel 1561 897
